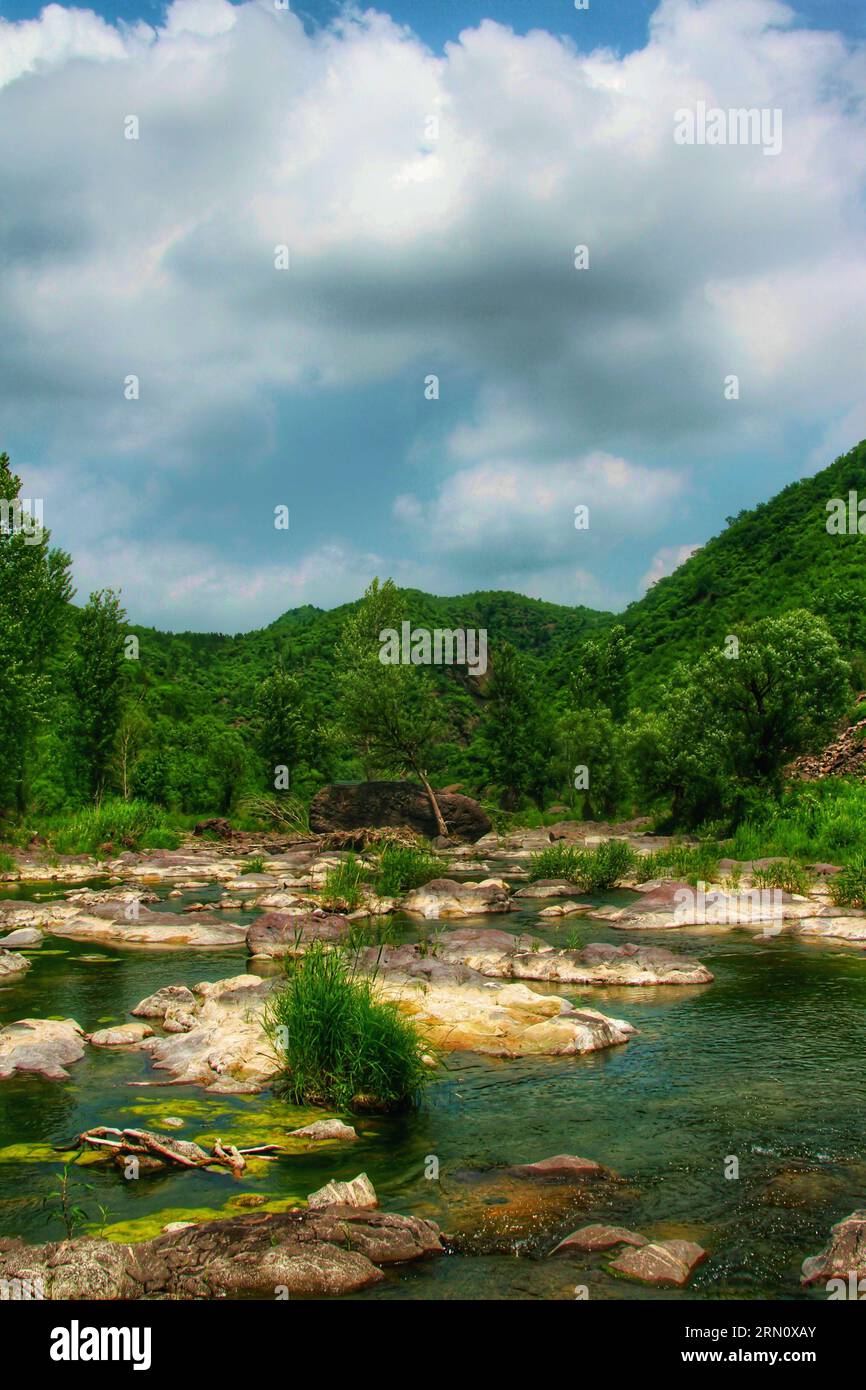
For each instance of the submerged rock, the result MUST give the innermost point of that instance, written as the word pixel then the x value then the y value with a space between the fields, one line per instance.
pixel 336 1250
pixel 348 805
pixel 46 1046
pixel 501 1211
pixel 598 1237
pixel 662 1262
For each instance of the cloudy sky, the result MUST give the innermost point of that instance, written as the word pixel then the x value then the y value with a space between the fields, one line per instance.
pixel 431 166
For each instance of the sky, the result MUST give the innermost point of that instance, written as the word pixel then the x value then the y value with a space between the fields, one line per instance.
pixel 333 274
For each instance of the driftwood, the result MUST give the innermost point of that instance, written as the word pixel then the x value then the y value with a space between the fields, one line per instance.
pixel 370 837
pixel 145 1143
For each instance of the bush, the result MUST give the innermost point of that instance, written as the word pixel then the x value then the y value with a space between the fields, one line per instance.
pixel 344 883
pixel 402 867
pixel 848 888
pixel 688 863
pixel 790 876
pixel 124 824
pixel 341 1046
pixel 592 870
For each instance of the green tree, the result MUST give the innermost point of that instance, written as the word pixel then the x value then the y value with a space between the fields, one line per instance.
pixel 283 723
pixel 35 589
pixel 388 711
pixel 601 675
pixel 516 731
pixel 592 760
pixel 96 674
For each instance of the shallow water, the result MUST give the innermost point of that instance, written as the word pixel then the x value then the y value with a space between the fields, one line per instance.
pixel 765 1065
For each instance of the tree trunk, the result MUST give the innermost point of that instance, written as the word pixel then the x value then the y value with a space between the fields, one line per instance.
pixel 443 828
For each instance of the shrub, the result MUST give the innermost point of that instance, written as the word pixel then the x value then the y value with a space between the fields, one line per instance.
pixel 254 865
pixel 848 888
pixel 341 1046
pixel 402 867
pixel 7 863
pixel 592 870
pixel 556 861
pixel 688 863
pixel 344 883
pixel 790 876
pixel 124 824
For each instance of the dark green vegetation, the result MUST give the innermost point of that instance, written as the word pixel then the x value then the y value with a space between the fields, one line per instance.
pixel 656 710
pixel 341 1045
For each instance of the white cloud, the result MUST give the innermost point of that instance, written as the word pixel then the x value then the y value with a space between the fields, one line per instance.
pixel 665 561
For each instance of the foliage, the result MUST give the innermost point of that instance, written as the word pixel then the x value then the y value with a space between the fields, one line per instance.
pixel 340 1044
pixel 687 863
pixel 95 683
pixel 788 875
pixel 400 868
pixel 121 824
pixel 516 732
pixel 592 870
pixel 848 888
pixel 344 884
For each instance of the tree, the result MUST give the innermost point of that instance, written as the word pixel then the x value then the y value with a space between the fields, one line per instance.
pixel 96 675
pixel 388 711
pixel 283 723
pixel 601 676
pixel 516 731
pixel 591 753
pixel 35 589
pixel 730 723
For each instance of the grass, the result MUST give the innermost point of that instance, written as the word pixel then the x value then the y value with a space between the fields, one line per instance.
pixel 592 870
pixel 120 824
pixel 790 876
pixel 815 822
pixel 7 864
pixel 402 867
pixel 254 865
pixel 848 888
pixel 687 863
pixel 339 1044
pixel 344 884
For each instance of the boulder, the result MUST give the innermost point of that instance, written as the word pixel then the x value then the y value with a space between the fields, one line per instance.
pixel 548 888
pixel 562 1168
pixel 24 936
pixel 325 1129
pixel 336 1250
pixel 348 805
pixel 445 897
pixel 46 1046
pixel 843 1255
pixel 277 934
pixel 598 1237
pixel 169 998
pixel 124 1035
pixel 662 1262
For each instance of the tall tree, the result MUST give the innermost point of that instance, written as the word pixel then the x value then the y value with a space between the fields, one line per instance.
pixel 516 730
pixel 283 723
pixel 388 711
pixel 96 673
pixel 35 589
pixel 601 675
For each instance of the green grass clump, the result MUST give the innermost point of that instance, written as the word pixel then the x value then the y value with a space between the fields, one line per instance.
pixel 592 870
pixel 344 884
pixel 686 863
pixel 122 824
pixel 340 1045
pixel 790 876
pixel 254 865
pixel 848 888
pixel 402 867
pixel 7 863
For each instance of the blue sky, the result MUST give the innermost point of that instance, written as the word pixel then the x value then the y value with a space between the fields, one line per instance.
pixel 431 168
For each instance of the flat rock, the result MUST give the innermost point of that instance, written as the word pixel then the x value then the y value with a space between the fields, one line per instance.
pixel 358 1192
pixel 445 897
pixel 843 1255
pixel 500 955
pixel 662 1262
pixel 336 1250
pixel 152 930
pixel 278 934
pixel 548 888
pixel 325 1129
pixel 23 936
pixel 599 1237
pixel 222 1045
pixel 45 1046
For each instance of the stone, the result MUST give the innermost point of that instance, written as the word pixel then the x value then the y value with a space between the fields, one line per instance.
pixel 562 1168
pixel 155 930
pixel 169 997
pixel 318 1253
pixel 500 955
pixel 45 1046
pixel 350 805
pixel 325 1129
pixel 445 897
pixel 661 1263
pixel 548 888
pixel 358 1192
pixel 11 964
pixel 278 934
pixel 844 1254
pixel 124 1035
pixel 599 1237
pixel 24 936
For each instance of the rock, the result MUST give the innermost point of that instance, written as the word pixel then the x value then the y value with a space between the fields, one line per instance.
pixel 124 1035
pixel 499 955
pixel 836 925
pixel 548 888
pixel 445 897
pixel 338 1250
pixel 670 905
pixel 176 1226
pixel 562 1168
pixel 277 934
pixel 172 1122
pixel 358 1192
pixel 324 1129
pixel 662 1262
pixel 24 936
pixel 217 827
pixel 348 805
pixel 223 1045
pixel 566 909
pixel 12 964
pixel 169 997
pixel 843 1255
pixel 599 1237
pixel 45 1046
pixel 159 930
